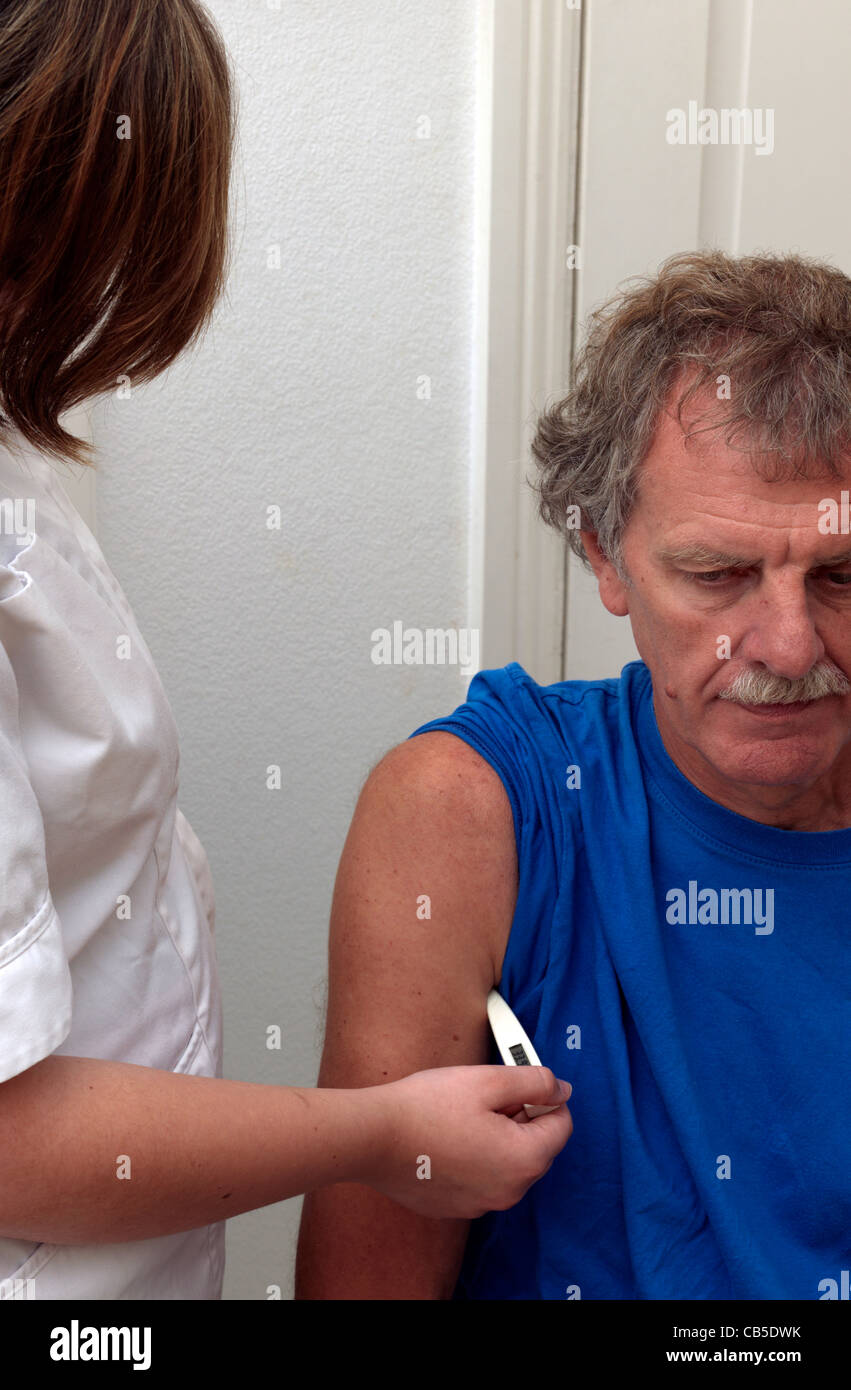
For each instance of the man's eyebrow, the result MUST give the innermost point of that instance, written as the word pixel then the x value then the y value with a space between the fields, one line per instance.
pixel 704 555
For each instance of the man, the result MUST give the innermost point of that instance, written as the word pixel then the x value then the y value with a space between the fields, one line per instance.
pixel 653 869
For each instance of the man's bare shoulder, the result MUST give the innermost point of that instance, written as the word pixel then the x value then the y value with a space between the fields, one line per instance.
pixel 439 766
pixel 432 807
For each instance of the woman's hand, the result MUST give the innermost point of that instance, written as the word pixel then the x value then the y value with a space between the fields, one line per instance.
pixel 457 1141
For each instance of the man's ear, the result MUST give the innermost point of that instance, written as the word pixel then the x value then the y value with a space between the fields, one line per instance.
pixel 613 591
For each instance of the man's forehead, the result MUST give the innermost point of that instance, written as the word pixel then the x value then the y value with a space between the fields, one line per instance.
pixel 703 415
pixel 704 502
pixel 681 461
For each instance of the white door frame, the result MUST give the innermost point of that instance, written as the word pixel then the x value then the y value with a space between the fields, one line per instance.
pixel 526 218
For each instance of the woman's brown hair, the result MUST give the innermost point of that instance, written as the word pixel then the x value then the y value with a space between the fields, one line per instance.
pixel 117 124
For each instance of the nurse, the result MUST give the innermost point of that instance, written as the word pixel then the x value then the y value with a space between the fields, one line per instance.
pixel 124 1150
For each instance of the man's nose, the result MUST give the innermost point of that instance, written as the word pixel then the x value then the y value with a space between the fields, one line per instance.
pixel 781 630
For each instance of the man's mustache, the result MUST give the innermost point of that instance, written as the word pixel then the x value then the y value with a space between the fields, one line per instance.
pixel 764 688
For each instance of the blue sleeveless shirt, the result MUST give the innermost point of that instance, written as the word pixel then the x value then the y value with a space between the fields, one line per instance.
pixel 689 971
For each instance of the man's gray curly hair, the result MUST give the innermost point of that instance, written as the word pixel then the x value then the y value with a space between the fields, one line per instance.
pixel 779 327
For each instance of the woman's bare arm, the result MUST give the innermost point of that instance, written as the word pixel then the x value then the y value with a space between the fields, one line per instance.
pixel 95 1151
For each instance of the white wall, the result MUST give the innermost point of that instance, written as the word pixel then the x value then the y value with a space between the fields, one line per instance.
pixel 305 396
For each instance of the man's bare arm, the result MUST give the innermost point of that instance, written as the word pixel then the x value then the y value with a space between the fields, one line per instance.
pixel 409 992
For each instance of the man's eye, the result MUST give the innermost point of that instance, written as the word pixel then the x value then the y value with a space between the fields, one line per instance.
pixel 707 576
pixel 710 578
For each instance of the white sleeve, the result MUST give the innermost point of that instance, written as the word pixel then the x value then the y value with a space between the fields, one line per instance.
pixel 35 978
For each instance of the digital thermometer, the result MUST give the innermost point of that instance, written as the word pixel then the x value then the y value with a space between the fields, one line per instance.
pixel 514 1046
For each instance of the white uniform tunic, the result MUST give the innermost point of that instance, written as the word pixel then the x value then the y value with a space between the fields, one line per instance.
pixel 89 832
